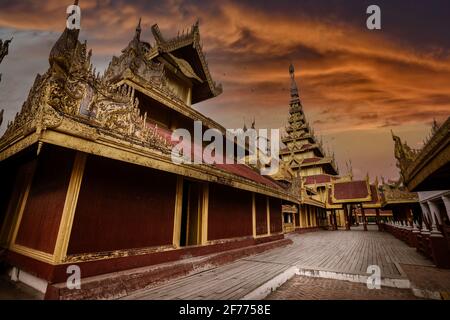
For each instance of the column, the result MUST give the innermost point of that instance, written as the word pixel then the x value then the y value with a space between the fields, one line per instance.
pixel 301 216
pixel 434 211
pixel 335 219
pixel 363 214
pixel 425 214
pixel 205 207
pixel 308 217
pixel 253 215
pixel 346 215
pixel 268 216
pixel 446 200
pixel 377 219
pixel 65 226
pixel 178 212
pixel 438 242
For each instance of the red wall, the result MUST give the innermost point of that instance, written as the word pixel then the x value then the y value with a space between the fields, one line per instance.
pixel 122 206
pixel 230 212
pixel 40 221
pixel 261 214
pixel 275 215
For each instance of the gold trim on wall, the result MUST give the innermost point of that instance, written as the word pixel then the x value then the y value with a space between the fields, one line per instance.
pixel 35 254
pixel 177 212
pixel 68 214
pixel 204 218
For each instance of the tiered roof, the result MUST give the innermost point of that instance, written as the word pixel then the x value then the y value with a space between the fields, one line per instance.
pixel 300 138
pixel 73 106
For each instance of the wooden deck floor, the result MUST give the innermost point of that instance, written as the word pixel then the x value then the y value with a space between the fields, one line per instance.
pixel 340 251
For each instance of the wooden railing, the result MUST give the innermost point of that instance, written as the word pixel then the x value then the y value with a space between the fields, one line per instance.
pixel 433 245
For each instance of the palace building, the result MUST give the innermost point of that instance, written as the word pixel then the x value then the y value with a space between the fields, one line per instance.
pixel 304 156
pixel 87 176
pixel 426 172
pixel 332 200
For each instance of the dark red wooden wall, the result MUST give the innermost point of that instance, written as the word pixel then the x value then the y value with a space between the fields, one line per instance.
pixel 261 214
pixel 122 206
pixel 230 212
pixel 42 215
pixel 275 215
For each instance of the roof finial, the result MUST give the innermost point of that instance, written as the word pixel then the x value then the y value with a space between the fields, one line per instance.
pixel 294 89
pixel 139 30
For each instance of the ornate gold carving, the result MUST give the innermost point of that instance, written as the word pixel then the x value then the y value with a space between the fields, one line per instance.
pixel 404 154
pixel 71 89
pixel 4 47
pixel 434 154
pixel 191 37
pixel 395 192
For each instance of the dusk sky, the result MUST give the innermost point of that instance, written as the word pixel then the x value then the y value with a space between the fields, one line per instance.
pixel 355 84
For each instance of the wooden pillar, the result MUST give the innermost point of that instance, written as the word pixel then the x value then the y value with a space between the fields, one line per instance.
pixel 65 227
pixel 313 216
pixel 253 215
pixel 347 218
pixel 268 216
pixel 354 213
pixel 293 220
pixel 364 218
pixel 308 216
pixel 378 218
pixel 178 212
pixel 331 220
pixel 303 219
pixel 335 219
pixel 205 208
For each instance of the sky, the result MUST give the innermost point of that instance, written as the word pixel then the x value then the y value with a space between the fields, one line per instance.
pixel 356 85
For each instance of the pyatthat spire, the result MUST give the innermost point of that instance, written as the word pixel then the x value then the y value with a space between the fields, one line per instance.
pixel 295 98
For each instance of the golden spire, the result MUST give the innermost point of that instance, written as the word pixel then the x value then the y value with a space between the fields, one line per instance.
pixel 294 88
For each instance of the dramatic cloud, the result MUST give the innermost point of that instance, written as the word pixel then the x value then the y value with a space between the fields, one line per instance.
pixel 356 85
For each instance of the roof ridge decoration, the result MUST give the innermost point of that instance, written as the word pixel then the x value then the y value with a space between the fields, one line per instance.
pixel 4 49
pixel 187 37
pixel 404 154
pixel 71 89
pixel 133 63
pixel 409 159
